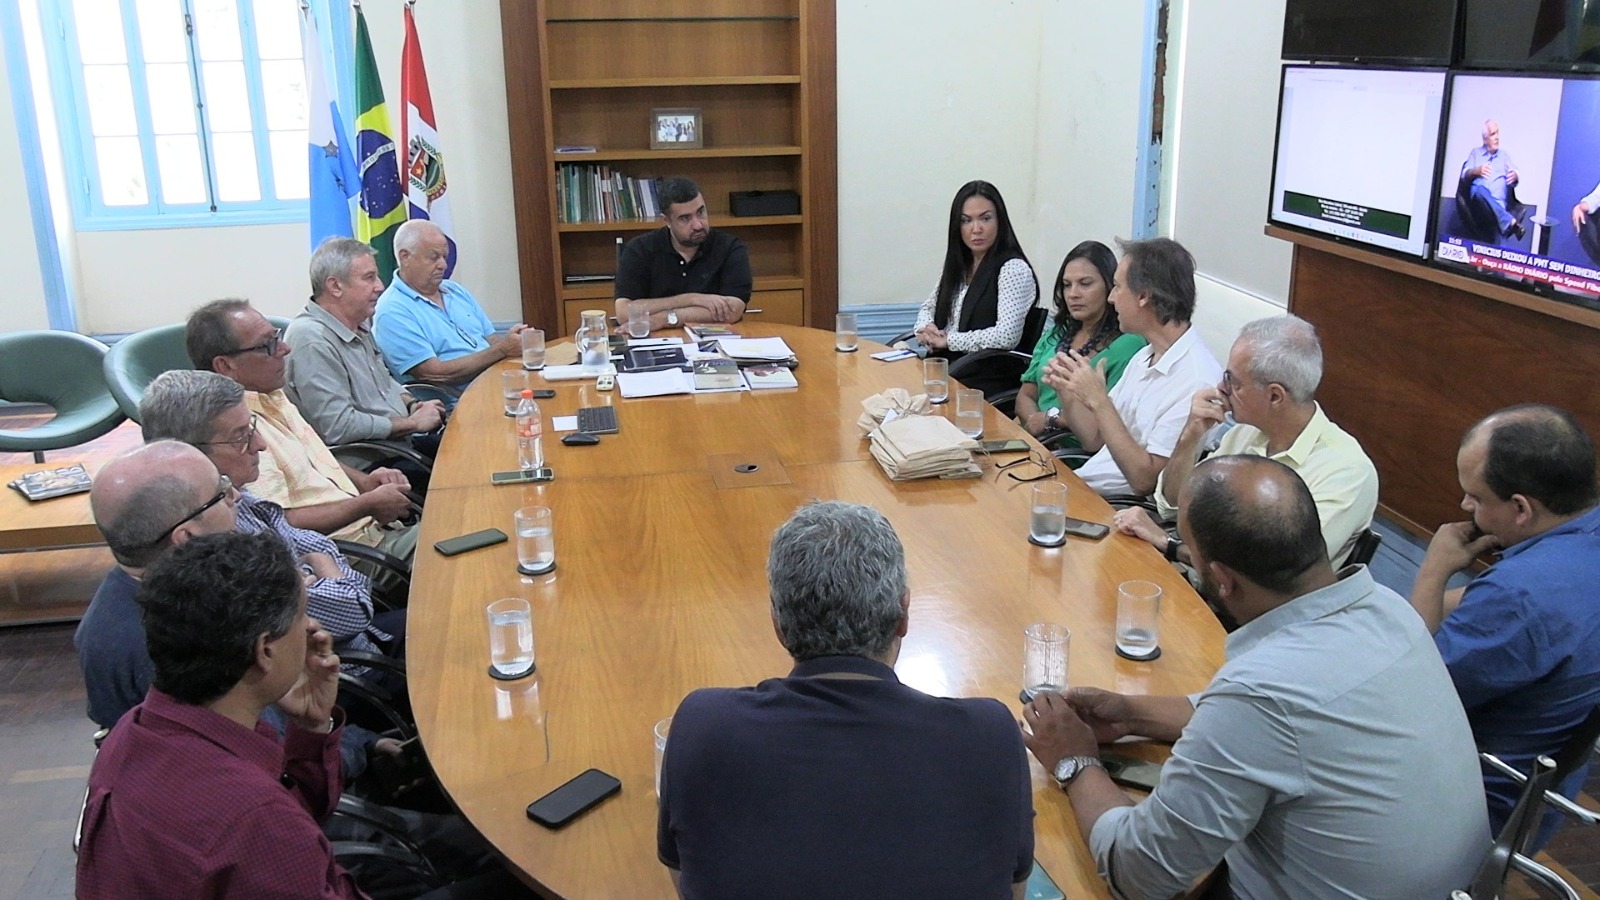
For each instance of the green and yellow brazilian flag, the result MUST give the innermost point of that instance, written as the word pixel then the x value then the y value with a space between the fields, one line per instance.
pixel 382 208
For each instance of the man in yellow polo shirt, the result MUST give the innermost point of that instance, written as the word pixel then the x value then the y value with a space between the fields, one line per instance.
pixel 298 471
pixel 1270 389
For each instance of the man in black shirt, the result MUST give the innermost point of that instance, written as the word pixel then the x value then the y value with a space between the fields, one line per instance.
pixel 683 273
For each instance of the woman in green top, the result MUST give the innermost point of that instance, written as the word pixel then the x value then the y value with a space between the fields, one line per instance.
pixel 1085 324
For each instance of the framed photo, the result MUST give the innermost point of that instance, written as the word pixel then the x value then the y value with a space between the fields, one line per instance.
pixel 676 129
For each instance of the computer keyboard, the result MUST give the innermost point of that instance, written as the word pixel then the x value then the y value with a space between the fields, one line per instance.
pixel 598 420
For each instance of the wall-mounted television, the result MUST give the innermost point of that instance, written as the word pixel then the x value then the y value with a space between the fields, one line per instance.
pixel 1559 35
pixel 1416 32
pixel 1356 154
pixel 1519 183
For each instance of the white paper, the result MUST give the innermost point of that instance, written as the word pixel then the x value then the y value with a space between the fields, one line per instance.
pixel 563 423
pixel 773 348
pixel 892 355
pixel 574 372
pixel 655 384
pixel 654 342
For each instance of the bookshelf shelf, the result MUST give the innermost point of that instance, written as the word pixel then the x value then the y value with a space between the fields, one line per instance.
pixel 588 73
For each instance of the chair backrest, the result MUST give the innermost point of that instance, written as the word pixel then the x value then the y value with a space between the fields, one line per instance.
pixel 1365 548
pixel 1032 326
pixel 137 359
pixel 58 368
pixel 1514 836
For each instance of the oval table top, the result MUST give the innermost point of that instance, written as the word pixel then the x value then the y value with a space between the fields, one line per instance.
pixel 660 588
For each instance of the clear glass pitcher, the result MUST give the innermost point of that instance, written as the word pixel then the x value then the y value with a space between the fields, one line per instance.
pixel 594 346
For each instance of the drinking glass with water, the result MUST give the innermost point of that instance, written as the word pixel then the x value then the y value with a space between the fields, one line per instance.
pixel 510 638
pixel 536 542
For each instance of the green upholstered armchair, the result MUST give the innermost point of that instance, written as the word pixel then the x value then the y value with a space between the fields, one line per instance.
pixel 62 370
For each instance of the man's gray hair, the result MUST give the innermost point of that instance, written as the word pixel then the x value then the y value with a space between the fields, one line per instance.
pixel 333 259
pixel 183 405
pixel 1164 269
pixel 1285 350
pixel 408 236
pixel 837 573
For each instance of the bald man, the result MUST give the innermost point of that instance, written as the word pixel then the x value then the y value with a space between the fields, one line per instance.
pixel 1332 725
pixel 429 328
pixel 146 502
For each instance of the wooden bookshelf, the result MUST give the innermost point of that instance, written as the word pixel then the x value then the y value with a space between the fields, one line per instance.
pixel 588 73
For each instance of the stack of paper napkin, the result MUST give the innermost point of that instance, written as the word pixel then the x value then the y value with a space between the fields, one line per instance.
pixel 911 447
pixel 890 405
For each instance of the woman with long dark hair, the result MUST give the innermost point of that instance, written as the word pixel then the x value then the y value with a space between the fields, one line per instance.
pixel 1085 325
pixel 987 286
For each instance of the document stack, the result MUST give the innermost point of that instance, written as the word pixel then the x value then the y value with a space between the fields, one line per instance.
pixel 912 447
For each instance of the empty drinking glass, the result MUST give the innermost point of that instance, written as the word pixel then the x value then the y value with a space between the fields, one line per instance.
pixel 662 727
pixel 1139 620
pixel 845 335
pixel 969 412
pixel 1044 659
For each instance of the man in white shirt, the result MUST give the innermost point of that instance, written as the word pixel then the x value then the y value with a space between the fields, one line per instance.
pixel 1270 389
pixel 1133 428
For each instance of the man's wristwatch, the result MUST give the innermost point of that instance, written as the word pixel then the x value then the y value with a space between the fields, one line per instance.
pixel 1173 546
pixel 1052 417
pixel 672 318
pixel 1069 768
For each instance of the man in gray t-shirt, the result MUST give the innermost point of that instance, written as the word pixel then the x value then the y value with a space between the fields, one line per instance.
pixel 1329 757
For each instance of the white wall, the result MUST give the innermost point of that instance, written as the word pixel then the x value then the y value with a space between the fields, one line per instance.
pixel 1222 104
pixel 22 304
pixel 1037 96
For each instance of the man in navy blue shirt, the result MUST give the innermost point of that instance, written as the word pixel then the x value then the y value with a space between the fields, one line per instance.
pixel 838 780
pixel 685 272
pixel 1522 640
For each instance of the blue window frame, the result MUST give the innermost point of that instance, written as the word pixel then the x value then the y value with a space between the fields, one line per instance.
pixel 179 113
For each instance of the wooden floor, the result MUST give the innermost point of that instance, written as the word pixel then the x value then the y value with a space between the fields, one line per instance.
pixel 45 745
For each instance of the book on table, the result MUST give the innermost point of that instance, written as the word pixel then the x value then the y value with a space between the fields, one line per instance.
pixel 59 482
pixel 716 374
pixel 768 376
pixel 702 331
pixel 654 359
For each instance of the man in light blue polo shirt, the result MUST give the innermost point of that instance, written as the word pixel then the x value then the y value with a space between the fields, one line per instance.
pixel 431 329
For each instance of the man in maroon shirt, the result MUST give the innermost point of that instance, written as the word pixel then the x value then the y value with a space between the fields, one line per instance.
pixel 191 796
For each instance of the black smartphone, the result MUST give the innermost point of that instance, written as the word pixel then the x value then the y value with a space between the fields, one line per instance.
pixel 544 394
pixel 1130 772
pixel 523 476
pixel 1015 445
pixel 485 538
pixel 1092 530
pixel 573 799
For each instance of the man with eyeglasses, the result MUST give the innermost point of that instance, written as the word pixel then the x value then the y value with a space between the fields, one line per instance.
pixel 1269 389
pixel 208 411
pixel 299 472
pixel 430 328
pixel 146 502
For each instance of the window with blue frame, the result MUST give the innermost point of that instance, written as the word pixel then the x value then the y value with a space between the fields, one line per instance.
pixel 180 112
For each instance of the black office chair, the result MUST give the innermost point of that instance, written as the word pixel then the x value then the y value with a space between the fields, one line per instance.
pixel 1506 854
pixel 1573 754
pixel 364 455
pixel 390 575
pixel 1365 548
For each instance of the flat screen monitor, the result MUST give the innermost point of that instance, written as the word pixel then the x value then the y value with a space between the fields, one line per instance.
pixel 1519 183
pixel 1518 34
pixel 1356 154
pixel 1419 32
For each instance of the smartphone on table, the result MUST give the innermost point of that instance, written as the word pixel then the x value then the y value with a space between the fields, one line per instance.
pixel 571 800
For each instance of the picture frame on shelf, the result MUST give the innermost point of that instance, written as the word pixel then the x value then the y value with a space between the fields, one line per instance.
pixel 676 128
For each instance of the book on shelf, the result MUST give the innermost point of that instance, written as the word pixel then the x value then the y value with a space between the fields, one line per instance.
pixel 595 193
pixel 577 148
pixel 716 374
pixel 586 277
pixel 47 483
pixel 768 376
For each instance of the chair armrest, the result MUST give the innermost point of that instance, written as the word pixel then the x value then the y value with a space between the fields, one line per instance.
pixel 424 391
pixel 1567 807
pixel 390 575
pixel 1065 454
pixel 374 661
pixel 354 853
pixel 376 697
pixel 376 451
pixel 380 818
pixel 1005 402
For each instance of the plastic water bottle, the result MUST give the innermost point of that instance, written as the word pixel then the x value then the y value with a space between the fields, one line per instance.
pixel 530 427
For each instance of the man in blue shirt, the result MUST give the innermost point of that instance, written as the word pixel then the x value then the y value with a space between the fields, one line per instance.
pixel 838 780
pixel 429 328
pixel 1522 640
pixel 1491 175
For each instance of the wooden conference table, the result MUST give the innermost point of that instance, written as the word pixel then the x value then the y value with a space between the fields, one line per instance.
pixel 660 588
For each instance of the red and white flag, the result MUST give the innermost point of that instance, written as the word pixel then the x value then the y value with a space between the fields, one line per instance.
pixel 426 187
